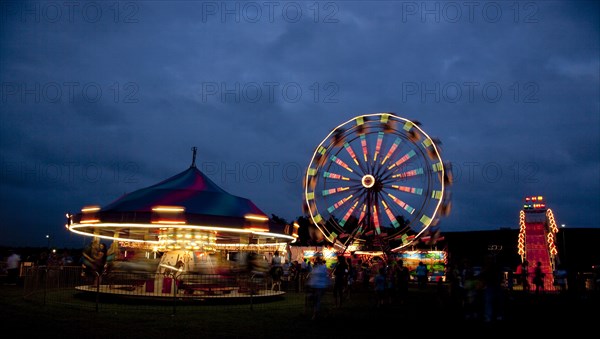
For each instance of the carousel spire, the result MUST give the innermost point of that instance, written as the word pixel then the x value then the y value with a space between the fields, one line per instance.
pixel 194 149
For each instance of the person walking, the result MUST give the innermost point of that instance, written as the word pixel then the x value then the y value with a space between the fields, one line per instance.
pixel 12 268
pixel 318 282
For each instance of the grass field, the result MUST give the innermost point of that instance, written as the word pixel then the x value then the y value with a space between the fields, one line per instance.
pixel 424 313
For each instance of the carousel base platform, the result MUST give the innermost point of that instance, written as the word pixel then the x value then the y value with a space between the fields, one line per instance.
pixel 187 293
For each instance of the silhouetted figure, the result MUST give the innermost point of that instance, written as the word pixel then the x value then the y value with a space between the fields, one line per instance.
pixel 403 278
pixel 380 282
pixel 454 285
pixel 470 294
pixel 42 259
pixel 421 275
pixel 596 277
pixel 340 273
pixel 525 275
pixel 510 283
pixel 492 277
pixel 560 278
pixel 538 277
pixel 352 274
pixel 366 275
pixel 510 280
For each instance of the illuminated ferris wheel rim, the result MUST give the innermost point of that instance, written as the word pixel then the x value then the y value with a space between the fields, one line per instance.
pixel 366 179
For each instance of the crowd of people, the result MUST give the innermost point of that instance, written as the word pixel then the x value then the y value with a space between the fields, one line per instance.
pixel 476 292
pixel 11 262
pixel 388 280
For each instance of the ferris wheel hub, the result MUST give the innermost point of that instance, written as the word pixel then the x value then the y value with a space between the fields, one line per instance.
pixel 368 181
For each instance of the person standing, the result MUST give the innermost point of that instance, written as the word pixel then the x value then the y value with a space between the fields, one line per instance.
pixel 454 286
pixel 538 277
pixel 100 258
pixel 340 273
pixel 318 282
pixel 560 277
pixel 525 275
pixel 421 275
pixel 492 278
pixel 12 267
pixel 351 277
pixel 366 275
pixel 305 269
pixel 403 278
pixel 380 283
pixel 276 271
pixel 276 261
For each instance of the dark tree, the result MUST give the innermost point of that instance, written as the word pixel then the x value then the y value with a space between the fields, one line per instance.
pixel 278 220
pixel 304 231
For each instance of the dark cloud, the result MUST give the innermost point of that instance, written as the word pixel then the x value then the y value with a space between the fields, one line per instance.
pixel 94 107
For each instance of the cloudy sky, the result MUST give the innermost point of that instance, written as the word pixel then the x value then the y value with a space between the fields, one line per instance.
pixel 103 98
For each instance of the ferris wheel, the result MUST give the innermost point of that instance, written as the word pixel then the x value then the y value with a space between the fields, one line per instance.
pixel 376 177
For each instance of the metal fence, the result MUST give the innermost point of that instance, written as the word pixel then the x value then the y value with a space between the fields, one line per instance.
pixel 172 293
pixel 71 286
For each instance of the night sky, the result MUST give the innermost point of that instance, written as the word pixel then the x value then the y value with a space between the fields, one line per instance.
pixel 103 98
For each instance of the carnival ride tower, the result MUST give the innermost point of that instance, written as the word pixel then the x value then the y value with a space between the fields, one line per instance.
pixel 537 238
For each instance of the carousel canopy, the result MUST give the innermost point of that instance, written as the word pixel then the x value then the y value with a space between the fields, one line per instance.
pixel 186 205
pixel 190 189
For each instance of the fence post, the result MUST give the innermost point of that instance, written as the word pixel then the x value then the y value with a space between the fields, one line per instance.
pixel 174 295
pixel 98 280
pixel 45 283
pixel 251 285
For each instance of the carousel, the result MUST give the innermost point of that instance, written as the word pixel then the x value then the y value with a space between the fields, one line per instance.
pixel 184 237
